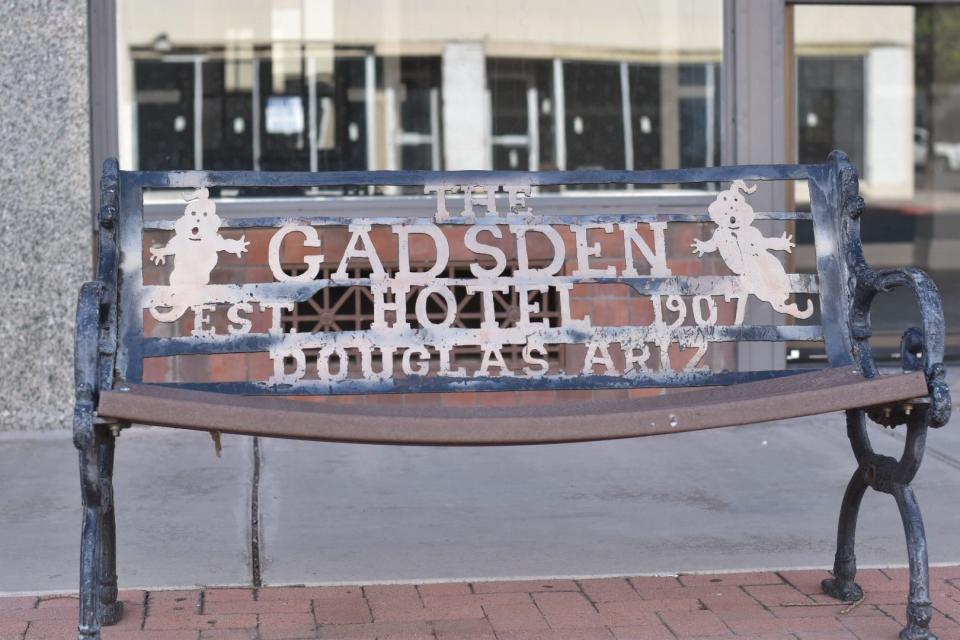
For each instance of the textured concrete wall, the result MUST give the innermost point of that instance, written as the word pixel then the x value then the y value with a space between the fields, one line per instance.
pixel 44 205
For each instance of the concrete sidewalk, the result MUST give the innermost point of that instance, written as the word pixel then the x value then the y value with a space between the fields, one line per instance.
pixel 784 605
pixel 733 499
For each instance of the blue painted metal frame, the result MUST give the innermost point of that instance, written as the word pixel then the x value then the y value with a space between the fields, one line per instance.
pixel 193 179
pixel 134 347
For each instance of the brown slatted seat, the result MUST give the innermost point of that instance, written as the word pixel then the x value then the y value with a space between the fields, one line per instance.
pixel 705 408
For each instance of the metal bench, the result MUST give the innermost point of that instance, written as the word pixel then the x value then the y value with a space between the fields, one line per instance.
pixel 415 341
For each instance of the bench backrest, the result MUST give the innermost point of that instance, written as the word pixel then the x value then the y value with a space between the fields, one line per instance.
pixel 526 283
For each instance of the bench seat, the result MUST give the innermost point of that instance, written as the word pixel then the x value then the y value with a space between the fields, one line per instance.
pixel 791 396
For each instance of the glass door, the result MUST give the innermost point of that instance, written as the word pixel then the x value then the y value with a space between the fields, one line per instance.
pixel 882 82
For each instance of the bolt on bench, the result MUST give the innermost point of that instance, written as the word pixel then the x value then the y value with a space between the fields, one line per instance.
pixel 168 291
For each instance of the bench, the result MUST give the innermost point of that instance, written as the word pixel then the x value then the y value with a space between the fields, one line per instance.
pixel 698 281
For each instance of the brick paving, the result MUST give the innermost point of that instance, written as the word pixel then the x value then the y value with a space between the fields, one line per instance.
pixel 758 605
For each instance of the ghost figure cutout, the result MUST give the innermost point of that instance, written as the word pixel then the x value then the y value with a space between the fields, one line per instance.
pixel 194 245
pixel 748 253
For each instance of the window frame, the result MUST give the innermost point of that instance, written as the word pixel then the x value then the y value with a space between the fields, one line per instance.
pixel 758 96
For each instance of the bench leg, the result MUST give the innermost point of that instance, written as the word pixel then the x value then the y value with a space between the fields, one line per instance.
pixel 90 542
pixel 919 605
pixel 842 585
pixel 111 609
pixel 886 475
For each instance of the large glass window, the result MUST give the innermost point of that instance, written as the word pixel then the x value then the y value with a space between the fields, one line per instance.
pixel 379 84
pixel 883 84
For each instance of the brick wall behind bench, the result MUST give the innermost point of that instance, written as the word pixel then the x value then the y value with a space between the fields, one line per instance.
pixel 607 305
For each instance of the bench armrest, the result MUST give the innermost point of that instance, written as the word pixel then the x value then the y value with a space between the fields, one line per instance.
pixel 86 360
pixel 921 349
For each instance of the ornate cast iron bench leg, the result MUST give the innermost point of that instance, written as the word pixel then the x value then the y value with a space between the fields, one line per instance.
pixel 111 609
pixel 95 443
pixel 87 437
pixel 919 605
pixel 842 585
pixel 886 475
pixel 90 541
pixel 98 578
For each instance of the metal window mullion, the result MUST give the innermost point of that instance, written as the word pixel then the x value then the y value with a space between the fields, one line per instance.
pixel 311 73
pixel 710 97
pixel 627 113
pixel 370 99
pixel 559 116
pixel 390 126
pixel 435 129
pixel 104 99
pixel 198 113
pixel 255 111
pixel 755 120
pixel 533 130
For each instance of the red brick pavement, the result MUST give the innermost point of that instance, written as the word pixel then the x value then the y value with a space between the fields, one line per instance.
pixel 759 605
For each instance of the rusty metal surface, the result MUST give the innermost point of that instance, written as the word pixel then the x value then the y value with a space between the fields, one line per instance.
pixel 789 397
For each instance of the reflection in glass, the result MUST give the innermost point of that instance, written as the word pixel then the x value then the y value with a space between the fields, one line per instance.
pixel 164 98
pixel 334 85
pixel 883 84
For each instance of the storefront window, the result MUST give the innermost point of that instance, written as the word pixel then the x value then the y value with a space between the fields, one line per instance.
pixel 313 85
pixel 883 84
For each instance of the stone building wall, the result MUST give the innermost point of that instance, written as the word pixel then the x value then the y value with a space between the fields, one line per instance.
pixel 44 206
